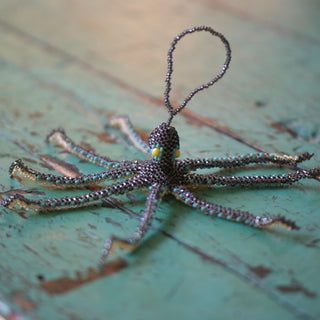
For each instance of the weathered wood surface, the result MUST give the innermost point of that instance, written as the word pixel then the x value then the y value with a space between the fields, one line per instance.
pixel 73 64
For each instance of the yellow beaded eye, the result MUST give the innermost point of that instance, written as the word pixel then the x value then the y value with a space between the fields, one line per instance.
pixel 177 153
pixel 155 152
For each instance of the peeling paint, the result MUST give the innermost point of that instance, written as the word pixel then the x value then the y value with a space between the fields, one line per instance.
pixel 102 136
pixel 22 214
pixel 296 287
pixel 64 167
pixel 22 302
pixel 35 115
pixel 65 284
pixel 313 244
pixel 32 148
pixel 88 147
pixel 143 134
pixel 297 129
pixel 20 191
pixel 29 160
pixel 109 220
pixel 260 271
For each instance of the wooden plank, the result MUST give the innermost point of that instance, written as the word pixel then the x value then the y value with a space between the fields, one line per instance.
pixel 73 64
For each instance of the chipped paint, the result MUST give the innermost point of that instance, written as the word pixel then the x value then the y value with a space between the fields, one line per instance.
pixel 313 243
pixel 64 167
pixel 23 302
pixel 296 288
pixel 102 136
pixel 297 129
pixel 65 284
pixel 260 271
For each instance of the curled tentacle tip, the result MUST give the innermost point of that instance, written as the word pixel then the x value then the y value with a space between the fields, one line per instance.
pixel 15 164
pixel 13 168
pixel 309 155
pixel 8 201
pixel 4 203
pixel 53 132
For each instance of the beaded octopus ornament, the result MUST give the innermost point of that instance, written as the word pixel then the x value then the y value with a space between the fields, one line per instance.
pixel 162 173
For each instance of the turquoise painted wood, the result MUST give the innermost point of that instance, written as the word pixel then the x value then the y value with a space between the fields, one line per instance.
pixel 76 63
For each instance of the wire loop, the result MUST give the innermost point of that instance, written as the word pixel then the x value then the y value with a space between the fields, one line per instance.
pixel 173 111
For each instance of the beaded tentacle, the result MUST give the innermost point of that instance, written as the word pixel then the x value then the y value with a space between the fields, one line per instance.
pixel 125 125
pixel 67 144
pixel 261 180
pixel 186 196
pixel 132 242
pixel 244 160
pixel 121 170
pixel 66 203
pixel 173 111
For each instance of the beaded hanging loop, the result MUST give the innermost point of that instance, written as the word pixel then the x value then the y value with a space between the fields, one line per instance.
pixel 173 111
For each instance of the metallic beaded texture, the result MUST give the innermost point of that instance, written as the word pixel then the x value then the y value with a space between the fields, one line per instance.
pixel 162 173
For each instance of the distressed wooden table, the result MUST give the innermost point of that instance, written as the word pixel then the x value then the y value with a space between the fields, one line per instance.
pixel 76 63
